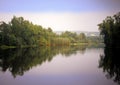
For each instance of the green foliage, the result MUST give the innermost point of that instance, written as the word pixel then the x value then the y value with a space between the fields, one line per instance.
pixel 74 38
pixel 94 39
pixel 20 32
pixel 110 29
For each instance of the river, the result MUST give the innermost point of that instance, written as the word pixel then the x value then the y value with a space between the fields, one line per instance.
pixel 76 65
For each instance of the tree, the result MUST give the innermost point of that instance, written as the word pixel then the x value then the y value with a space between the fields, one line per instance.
pixel 110 29
pixel 82 36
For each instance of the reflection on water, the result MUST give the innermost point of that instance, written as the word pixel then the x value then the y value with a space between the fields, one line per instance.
pixel 18 61
pixel 71 65
pixel 110 63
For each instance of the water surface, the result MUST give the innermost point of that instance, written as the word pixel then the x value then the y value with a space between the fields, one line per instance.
pixel 52 66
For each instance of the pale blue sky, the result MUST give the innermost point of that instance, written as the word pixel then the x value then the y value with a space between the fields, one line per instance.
pixel 58 5
pixel 60 15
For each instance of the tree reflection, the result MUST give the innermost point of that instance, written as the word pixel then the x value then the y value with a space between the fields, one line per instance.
pixel 111 64
pixel 18 61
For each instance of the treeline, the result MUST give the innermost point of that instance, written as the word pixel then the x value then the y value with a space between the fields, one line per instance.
pixel 109 61
pixel 19 32
pixel 81 38
pixel 110 29
pixel 74 37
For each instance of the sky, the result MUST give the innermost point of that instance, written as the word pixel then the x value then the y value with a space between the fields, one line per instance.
pixel 60 15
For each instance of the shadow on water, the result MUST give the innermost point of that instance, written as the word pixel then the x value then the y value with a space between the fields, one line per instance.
pixel 18 61
pixel 110 63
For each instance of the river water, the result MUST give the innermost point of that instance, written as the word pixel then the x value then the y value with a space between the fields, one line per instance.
pixel 53 66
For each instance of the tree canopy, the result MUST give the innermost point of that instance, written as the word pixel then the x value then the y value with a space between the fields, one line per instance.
pixel 110 29
pixel 20 32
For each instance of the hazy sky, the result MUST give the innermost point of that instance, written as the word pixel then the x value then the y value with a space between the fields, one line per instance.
pixel 82 15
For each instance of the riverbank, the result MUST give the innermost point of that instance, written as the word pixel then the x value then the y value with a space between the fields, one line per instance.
pixel 72 44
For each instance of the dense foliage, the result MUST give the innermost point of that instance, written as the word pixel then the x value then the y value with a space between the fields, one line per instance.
pixel 109 61
pixel 19 32
pixel 110 29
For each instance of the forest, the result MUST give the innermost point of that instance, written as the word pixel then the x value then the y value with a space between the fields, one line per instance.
pixel 23 33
